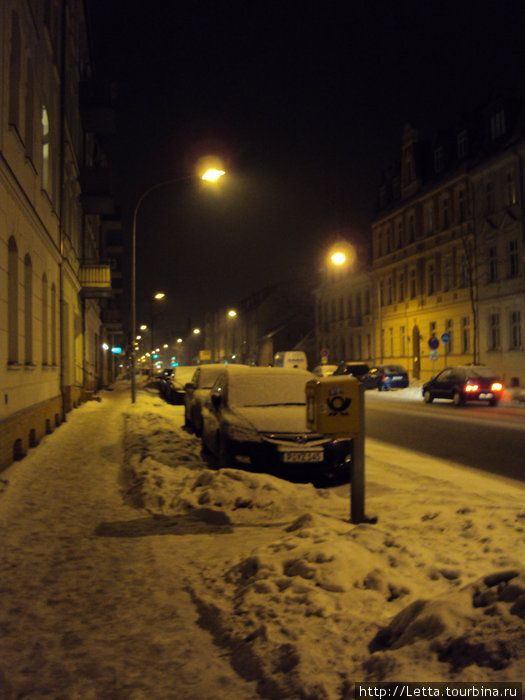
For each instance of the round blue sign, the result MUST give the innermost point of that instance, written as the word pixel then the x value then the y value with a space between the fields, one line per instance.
pixel 445 337
pixel 433 343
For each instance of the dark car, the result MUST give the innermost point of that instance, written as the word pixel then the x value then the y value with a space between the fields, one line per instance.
pixel 354 369
pixel 171 388
pixel 259 417
pixel 461 384
pixel 386 377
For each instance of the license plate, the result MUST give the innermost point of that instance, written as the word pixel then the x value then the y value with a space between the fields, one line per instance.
pixel 488 395
pixel 397 378
pixel 298 457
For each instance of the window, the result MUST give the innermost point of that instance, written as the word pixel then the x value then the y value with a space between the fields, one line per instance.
pixel 53 324
pixel 493 264
pixel 494 331
pixel 515 330
pixel 12 302
pixel 497 124
pixel 400 234
pixel 45 341
pixel 432 329
pixel 448 273
pixel 449 328
pixel 490 198
pixel 28 310
pixel 350 306
pixel 390 290
pixel 462 206
pixel 391 341
pixel 411 228
pixel 413 285
pixel 429 219
pixel 462 143
pixel 510 189
pixel 445 213
pixel 513 259
pixel 465 334
pixel 15 73
pixel 367 302
pixel 29 112
pixel 401 288
pixel 45 150
pixel 463 271
pixel 402 341
pixel 381 293
pixel 431 277
pixel 341 309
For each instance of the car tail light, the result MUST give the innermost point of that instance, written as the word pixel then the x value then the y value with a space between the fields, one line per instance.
pixel 471 387
pixel 496 387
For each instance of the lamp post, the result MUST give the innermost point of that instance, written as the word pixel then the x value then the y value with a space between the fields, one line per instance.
pixel 210 175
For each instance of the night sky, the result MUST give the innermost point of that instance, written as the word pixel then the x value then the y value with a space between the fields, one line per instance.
pixel 304 101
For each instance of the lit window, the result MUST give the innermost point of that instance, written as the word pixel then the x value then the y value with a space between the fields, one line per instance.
pixel 45 150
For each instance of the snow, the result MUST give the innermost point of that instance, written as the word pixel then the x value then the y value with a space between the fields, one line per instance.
pixel 131 568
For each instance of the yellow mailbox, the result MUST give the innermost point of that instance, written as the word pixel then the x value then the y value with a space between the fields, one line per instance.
pixel 333 406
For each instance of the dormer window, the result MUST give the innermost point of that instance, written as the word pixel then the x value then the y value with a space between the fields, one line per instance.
pixel 497 124
pixel 462 142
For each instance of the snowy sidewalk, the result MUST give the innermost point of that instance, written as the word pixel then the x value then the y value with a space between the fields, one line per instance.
pixel 231 585
pixel 89 616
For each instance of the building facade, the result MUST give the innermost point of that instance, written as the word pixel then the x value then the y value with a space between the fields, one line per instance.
pixel 54 285
pixel 447 280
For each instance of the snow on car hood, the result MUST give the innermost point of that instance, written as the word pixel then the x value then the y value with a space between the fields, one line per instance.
pixel 274 419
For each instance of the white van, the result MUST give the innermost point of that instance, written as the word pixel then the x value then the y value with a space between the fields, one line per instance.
pixel 290 358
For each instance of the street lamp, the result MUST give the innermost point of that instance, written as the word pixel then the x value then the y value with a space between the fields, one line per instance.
pixel 211 175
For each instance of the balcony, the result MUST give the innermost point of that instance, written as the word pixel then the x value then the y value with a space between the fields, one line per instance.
pixel 112 320
pixel 95 280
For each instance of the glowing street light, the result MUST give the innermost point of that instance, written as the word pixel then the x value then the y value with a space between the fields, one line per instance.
pixel 210 175
pixel 338 258
pixel 196 331
pixel 159 295
pixel 232 313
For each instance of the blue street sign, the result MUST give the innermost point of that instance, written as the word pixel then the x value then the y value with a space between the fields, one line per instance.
pixel 445 337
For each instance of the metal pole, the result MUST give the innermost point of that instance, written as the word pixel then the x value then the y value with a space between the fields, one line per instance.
pixel 357 495
pixel 134 301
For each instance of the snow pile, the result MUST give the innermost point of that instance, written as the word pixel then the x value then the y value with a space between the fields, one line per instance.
pixel 309 603
pixel 242 497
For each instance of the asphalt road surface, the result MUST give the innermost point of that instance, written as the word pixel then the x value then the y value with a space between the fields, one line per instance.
pixel 477 435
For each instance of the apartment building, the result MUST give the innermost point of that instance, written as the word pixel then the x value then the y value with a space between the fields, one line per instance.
pixel 53 283
pixel 446 284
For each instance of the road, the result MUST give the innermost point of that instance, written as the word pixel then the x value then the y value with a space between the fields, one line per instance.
pixel 491 439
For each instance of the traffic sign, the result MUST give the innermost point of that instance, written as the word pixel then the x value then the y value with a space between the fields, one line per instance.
pixel 433 355
pixel 324 352
pixel 433 343
pixel 445 337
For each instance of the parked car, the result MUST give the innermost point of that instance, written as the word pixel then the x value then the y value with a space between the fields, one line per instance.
pixel 385 377
pixel 324 370
pixel 197 391
pixel 291 358
pixel 260 417
pixel 355 369
pixel 172 384
pixel 461 384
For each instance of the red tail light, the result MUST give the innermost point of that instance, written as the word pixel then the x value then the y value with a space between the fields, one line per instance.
pixel 497 386
pixel 471 387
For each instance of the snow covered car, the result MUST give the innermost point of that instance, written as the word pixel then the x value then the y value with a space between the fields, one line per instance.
pixel 259 417
pixel 196 393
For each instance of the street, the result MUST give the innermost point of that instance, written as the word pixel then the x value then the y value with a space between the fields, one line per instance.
pixel 130 570
pixel 491 439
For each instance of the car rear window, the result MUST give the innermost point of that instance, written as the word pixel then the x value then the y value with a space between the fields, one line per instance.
pixel 483 372
pixel 394 369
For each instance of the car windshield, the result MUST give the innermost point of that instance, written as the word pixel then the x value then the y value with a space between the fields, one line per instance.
pixel 208 376
pixel 268 389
